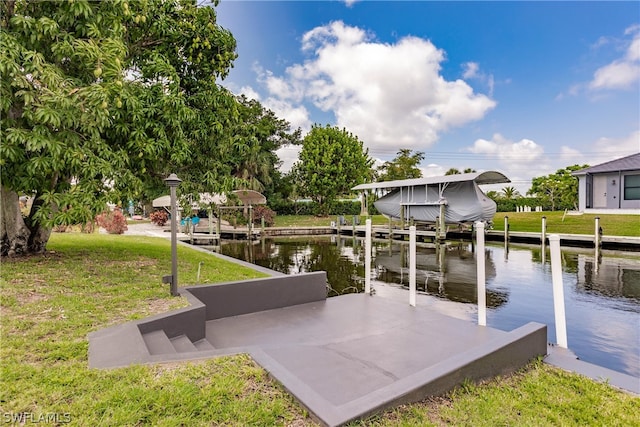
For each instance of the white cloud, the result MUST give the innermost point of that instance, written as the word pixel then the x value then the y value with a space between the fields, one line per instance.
pixel 518 160
pixel 470 70
pixel 508 152
pixel 288 155
pixel 624 72
pixel 296 115
pixel 389 95
pixel 433 169
pixel 525 159
pixel 613 148
pixel 617 75
pixel 249 92
pixel 568 153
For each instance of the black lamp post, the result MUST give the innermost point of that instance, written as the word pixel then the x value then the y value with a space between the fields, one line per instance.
pixel 173 181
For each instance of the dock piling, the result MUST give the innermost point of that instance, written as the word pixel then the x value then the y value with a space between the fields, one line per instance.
pixel 506 229
pixel 558 291
pixel 482 296
pixel 412 265
pixel 218 224
pixel 442 235
pixel 367 258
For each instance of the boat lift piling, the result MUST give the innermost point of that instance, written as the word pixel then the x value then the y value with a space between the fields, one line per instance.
pixel 506 229
pixel 412 266
pixel 558 291
pixel 480 267
pixel 442 234
pixel 367 258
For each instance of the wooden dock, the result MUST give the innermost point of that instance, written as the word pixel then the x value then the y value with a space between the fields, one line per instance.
pixel 574 240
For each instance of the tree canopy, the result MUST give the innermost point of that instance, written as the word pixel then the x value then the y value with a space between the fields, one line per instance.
pixel 100 100
pixel 456 171
pixel 558 190
pixel 332 161
pixel 510 192
pixel 403 166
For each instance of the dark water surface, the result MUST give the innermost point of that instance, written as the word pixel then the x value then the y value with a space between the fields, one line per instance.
pixel 602 296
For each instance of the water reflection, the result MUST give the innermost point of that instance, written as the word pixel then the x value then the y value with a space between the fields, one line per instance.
pixel 602 290
pixel 345 269
pixel 618 277
pixel 442 270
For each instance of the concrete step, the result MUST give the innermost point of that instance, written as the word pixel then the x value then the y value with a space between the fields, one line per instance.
pixel 158 343
pixel 183 344
pixel 203 344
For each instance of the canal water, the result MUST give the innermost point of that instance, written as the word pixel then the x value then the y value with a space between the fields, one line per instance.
pixel 602 294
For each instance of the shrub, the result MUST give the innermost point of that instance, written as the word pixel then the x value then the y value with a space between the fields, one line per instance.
pixel 112 221
pixel 60 228
pixel 260 212
pixel 346 207
pixel 159 217
pixel 88 227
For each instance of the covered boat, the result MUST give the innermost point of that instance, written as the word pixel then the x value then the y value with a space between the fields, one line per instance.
pixel 424 199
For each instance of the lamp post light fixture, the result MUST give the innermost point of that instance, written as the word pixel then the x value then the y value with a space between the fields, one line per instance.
pixel 172 182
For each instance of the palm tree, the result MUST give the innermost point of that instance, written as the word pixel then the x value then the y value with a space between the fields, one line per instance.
pixel 455 171
pixel 452 171
pixel 510 193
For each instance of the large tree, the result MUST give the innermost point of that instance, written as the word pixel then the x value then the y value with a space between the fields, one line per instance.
pixel 403 166
pixel 99 101
pixel 255 139
pixel 558 190
pixel 332 161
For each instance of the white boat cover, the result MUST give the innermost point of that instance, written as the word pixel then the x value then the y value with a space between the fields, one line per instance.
pixel 422 197
pixel 464 201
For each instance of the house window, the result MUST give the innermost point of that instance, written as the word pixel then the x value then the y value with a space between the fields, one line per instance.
pixel 632 187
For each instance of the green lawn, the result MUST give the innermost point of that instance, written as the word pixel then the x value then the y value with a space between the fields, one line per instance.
pixel 557 222
pixel 319 221
pixel 87 282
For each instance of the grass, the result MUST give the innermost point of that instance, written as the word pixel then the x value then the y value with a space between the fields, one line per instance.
pixel 87 282
pixel 319 221
pixel 538 395
pixel 50 304
pixel 557 222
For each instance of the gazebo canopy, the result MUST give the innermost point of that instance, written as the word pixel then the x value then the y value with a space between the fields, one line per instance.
pixel 250 197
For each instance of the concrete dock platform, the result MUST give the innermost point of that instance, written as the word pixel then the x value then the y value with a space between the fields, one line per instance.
pixel 352 356
pixel 342 358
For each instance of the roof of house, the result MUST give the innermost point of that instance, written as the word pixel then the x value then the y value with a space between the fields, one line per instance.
pixel 631 162
pixel 488 177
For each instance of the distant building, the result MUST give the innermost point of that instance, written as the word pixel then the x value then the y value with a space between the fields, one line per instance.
pixel 610 187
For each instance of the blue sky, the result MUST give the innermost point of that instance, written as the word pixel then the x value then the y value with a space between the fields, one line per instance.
pixel 521 87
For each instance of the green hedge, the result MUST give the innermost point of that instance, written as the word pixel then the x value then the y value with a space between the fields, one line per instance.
pixel 312 208
pixel 509 205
